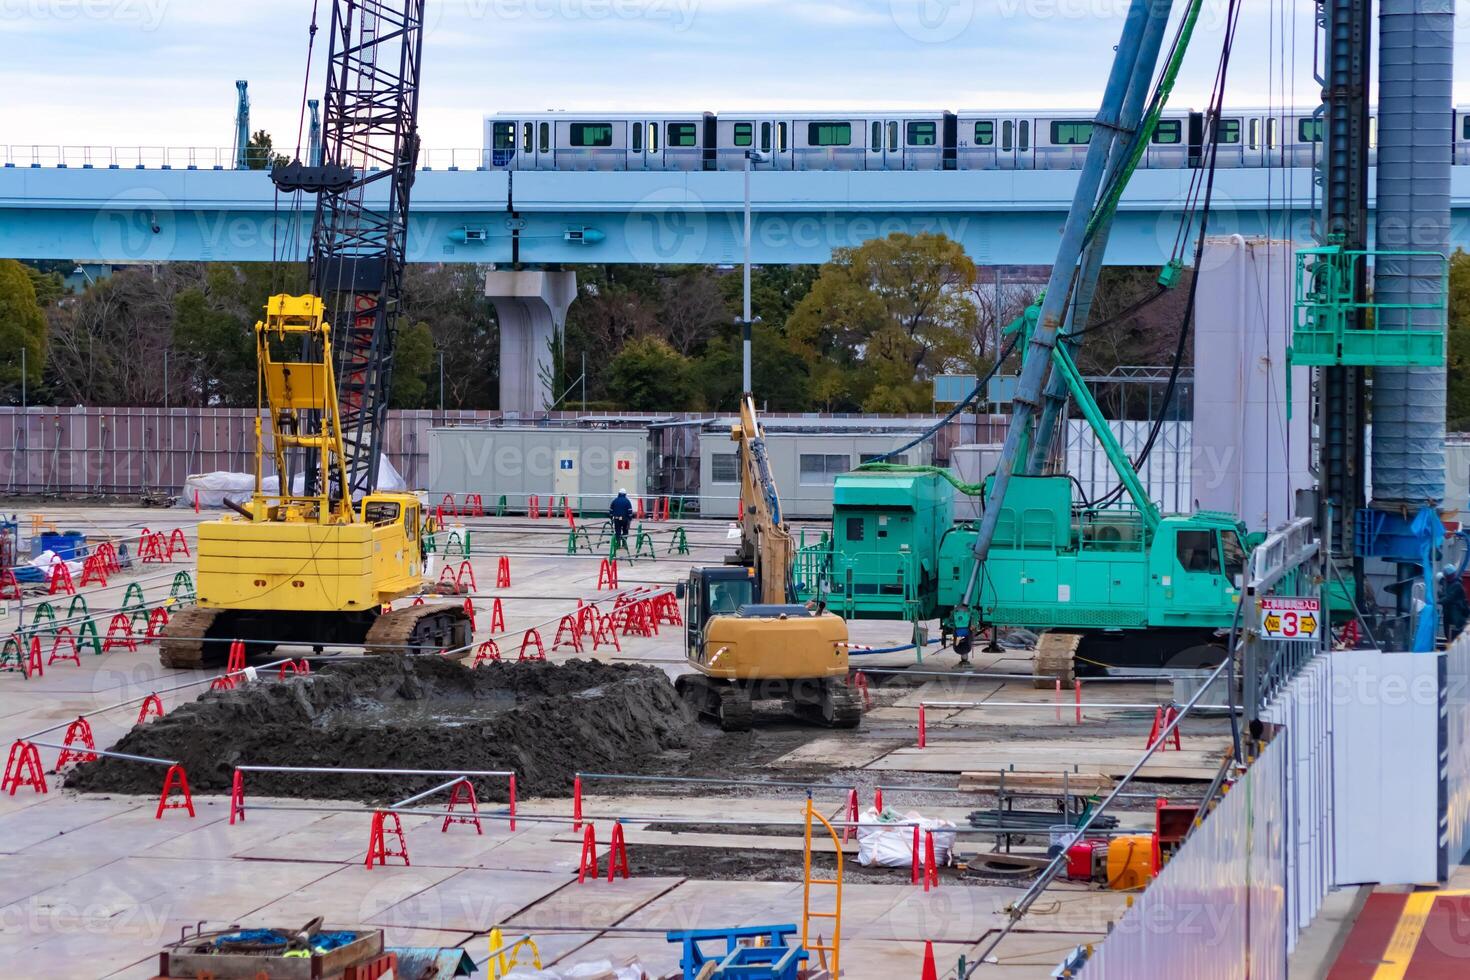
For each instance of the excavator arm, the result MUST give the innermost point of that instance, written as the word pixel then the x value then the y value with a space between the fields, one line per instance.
pixel 765 541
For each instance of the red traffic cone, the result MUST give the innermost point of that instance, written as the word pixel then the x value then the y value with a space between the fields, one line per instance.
pixel 930 972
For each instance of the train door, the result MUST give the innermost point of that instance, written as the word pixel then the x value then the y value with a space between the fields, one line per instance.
pixel 1230 147
pixel 775 143
pixel 545 146
pixel 876 142
pixel 637 158
pixel 1015 145
pixel 977 144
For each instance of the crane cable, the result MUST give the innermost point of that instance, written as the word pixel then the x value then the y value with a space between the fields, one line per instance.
pixel 1187 320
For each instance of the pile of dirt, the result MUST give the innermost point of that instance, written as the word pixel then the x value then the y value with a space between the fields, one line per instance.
pixel 541 720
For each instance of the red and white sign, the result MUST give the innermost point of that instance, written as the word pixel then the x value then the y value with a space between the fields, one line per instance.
pixel 1291 618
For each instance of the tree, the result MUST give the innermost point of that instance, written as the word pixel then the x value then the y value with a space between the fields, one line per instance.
pixel 22 326
pixel 49 286
pixel 413 356
pixel 107 347
pixel 694 309
pixel 898 309
pixel 1458 362
pixel 649 375
pixel 260 152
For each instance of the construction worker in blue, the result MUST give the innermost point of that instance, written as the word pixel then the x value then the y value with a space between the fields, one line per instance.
pixel 621 512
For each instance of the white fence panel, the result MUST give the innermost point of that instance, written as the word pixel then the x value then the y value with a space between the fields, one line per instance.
pixel 1166 472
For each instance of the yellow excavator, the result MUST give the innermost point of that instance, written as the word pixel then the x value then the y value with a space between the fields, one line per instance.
pixel 315 565
pixel 746 636
pixel 293 568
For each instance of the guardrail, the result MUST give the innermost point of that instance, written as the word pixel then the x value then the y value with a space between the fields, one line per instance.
pixel 53 156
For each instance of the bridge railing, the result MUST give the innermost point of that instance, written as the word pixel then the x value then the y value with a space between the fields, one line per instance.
pixel 41 155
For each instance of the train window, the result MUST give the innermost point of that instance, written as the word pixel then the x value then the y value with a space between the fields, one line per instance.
pixel 591 134
pixel 780 137
pixel 1071 132
pixel 1167 132
pixel 526 138
pixel 876 143
pixel 505 136
pixel 1023 140
pixel 637 135
pixel 1255 134
pixel 1272 130
pixel 985 132
pixel 766 136
pixel 1227 131
pixel 893 137
pixel 545 138
pixel 829 134
pixel 744 134
pixel 682 134
pixel 653 137
pixel 1309 130
pixel 1373 131
pixel 1464 128
pixel 922 133
pixel 1007 134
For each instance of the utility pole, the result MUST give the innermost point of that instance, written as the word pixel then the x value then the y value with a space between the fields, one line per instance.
pixel 751 156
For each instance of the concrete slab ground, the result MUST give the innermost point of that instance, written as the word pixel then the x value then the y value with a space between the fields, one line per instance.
pixel 93 885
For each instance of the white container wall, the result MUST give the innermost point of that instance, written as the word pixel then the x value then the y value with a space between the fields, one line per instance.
pixel 804 465
pixel 586 465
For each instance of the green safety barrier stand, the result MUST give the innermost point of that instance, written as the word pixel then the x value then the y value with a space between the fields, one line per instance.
pixel 679 509
pixel 430 547
pixel 183 588
pixel 78 608
pixel 644 541
pixel 500 506
pixel 576 534
pixel 43 618
pixel 87 634
pixel 618 544
pixel 457 544
pixel 10 653
pixel 679 543
pixel 133 598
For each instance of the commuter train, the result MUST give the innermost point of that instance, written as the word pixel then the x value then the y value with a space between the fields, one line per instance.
pixel 906 140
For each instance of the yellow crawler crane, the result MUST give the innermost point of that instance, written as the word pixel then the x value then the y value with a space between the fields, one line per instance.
pixel 314 569
pixel 747 637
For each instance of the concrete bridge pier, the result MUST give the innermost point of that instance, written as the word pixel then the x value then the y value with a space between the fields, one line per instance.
pixel 532 307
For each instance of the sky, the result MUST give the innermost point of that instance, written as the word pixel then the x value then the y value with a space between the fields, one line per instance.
pixel 162 72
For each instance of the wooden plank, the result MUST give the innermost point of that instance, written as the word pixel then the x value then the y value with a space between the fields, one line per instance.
pixel 1196 763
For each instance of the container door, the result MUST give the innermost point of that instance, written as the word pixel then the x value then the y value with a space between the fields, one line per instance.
pixel 626 473
pixel 567 481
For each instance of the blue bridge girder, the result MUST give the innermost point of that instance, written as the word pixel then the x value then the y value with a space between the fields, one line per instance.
pixel 547 217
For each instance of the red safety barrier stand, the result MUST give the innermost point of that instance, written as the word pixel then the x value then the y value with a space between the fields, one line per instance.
pixel 34 667
pixel 923 728
pixel 486 653
pixel 120 634
pixel 576 803
pixel 78 732
pixel 497 617
pixel 1163 716
pixel 378 852
pixel 174 779
pixel 61 579
pixel 151 701
pixel 617 853
pixel 177 542
pixel 931 866
pixel 929 971
pixel 502 573
pixel 237 798
pixel 850 831
pixel 587 865
pixel 573 636
pixel 66 637
pixel 532 637
pixel 463 794
pixel 23 768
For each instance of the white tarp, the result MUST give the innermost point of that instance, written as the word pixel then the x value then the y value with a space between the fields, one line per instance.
pixel 213 488
pixel 887 839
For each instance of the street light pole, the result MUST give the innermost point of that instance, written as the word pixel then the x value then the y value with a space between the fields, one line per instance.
pixel 745 317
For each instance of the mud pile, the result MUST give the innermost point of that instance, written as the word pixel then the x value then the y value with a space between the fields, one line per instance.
pixel 543 721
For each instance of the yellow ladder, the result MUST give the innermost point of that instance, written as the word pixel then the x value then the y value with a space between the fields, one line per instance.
pixel 807 915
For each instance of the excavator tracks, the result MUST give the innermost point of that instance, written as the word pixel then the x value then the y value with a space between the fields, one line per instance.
pixel 421 629
pixel 825 702
pixel 183 643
